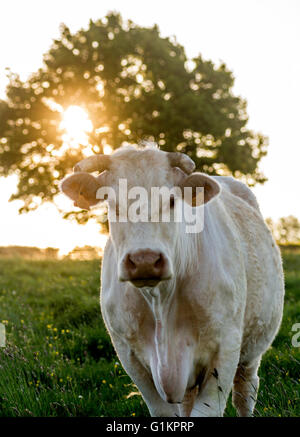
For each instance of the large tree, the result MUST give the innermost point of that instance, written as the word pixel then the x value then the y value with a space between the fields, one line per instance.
pixel 133 84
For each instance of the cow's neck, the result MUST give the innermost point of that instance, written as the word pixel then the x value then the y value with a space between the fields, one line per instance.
pixel 169 355
pixel 162 303
pixel 159 299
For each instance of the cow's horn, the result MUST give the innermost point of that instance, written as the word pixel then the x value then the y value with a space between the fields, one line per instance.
pixel 94 163
pixel 182 161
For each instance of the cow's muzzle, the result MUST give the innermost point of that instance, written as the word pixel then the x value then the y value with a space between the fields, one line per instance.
pixel 145 268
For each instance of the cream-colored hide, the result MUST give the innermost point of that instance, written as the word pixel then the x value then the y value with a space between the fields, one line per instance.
pixel 188 340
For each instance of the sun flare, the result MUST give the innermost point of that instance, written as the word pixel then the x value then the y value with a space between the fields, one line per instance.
pixel 76 125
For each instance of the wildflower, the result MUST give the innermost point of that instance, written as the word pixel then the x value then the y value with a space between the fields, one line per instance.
pixel 22 321
pixel 103 381
pixel 52 374
pixel 62 331
pixel 5 322
pixel 55 329
pixel 49 326
pixel 110 385
pixel 80 397
pixel 60 380
pixel 133 414
pixel 50 345
pixel 67 331
pixel 69 378
pixel 30 383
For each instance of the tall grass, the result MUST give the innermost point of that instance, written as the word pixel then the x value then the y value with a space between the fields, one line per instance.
pixel 59 360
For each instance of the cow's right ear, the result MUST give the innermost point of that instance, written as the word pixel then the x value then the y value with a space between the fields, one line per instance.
pixel 210 186
pixel 82 189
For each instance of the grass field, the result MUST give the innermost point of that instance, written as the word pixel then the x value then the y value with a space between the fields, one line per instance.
pixel 59 360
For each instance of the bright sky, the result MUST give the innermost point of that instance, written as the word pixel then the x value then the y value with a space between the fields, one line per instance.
pixel 257 39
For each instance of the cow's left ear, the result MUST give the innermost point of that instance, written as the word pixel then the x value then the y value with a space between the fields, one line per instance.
pixel 210 185
pixel 82 189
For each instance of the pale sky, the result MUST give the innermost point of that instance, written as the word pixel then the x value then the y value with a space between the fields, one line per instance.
pixel 257 39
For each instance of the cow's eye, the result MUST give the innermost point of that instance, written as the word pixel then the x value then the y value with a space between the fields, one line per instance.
pixel 172 202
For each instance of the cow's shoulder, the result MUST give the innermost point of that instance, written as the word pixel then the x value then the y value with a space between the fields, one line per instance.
pixel 239 189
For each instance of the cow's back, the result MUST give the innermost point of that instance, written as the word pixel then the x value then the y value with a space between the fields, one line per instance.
pixel 265 285
pixel 238 189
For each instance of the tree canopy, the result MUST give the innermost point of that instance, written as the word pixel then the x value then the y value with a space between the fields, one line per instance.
pixel 133 84
pixel 286 230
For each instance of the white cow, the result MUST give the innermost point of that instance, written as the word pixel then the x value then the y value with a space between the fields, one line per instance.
pixel 190 315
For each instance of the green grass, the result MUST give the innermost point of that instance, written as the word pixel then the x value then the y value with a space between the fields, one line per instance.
pixel 59 360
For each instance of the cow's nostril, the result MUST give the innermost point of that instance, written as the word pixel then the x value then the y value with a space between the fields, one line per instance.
pixel 159 263
pixel 130 264
pixel 145 265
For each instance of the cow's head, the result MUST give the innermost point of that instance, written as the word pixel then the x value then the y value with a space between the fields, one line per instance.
pixel 144 244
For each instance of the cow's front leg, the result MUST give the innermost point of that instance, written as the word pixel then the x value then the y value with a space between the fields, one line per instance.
pixel 212 397
pixel 142 378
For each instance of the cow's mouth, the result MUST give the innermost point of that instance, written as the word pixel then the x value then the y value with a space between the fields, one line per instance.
pixel 145 282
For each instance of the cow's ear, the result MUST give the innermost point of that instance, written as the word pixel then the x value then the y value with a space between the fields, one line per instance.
pixel 210 186
pixel 82 189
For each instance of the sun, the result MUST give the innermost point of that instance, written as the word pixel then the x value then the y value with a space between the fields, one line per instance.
pixel 76 125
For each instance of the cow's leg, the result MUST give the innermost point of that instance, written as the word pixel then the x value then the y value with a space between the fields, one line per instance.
pixel 213 395
pixel 187 404
pixel 141 377
pixel 245 388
